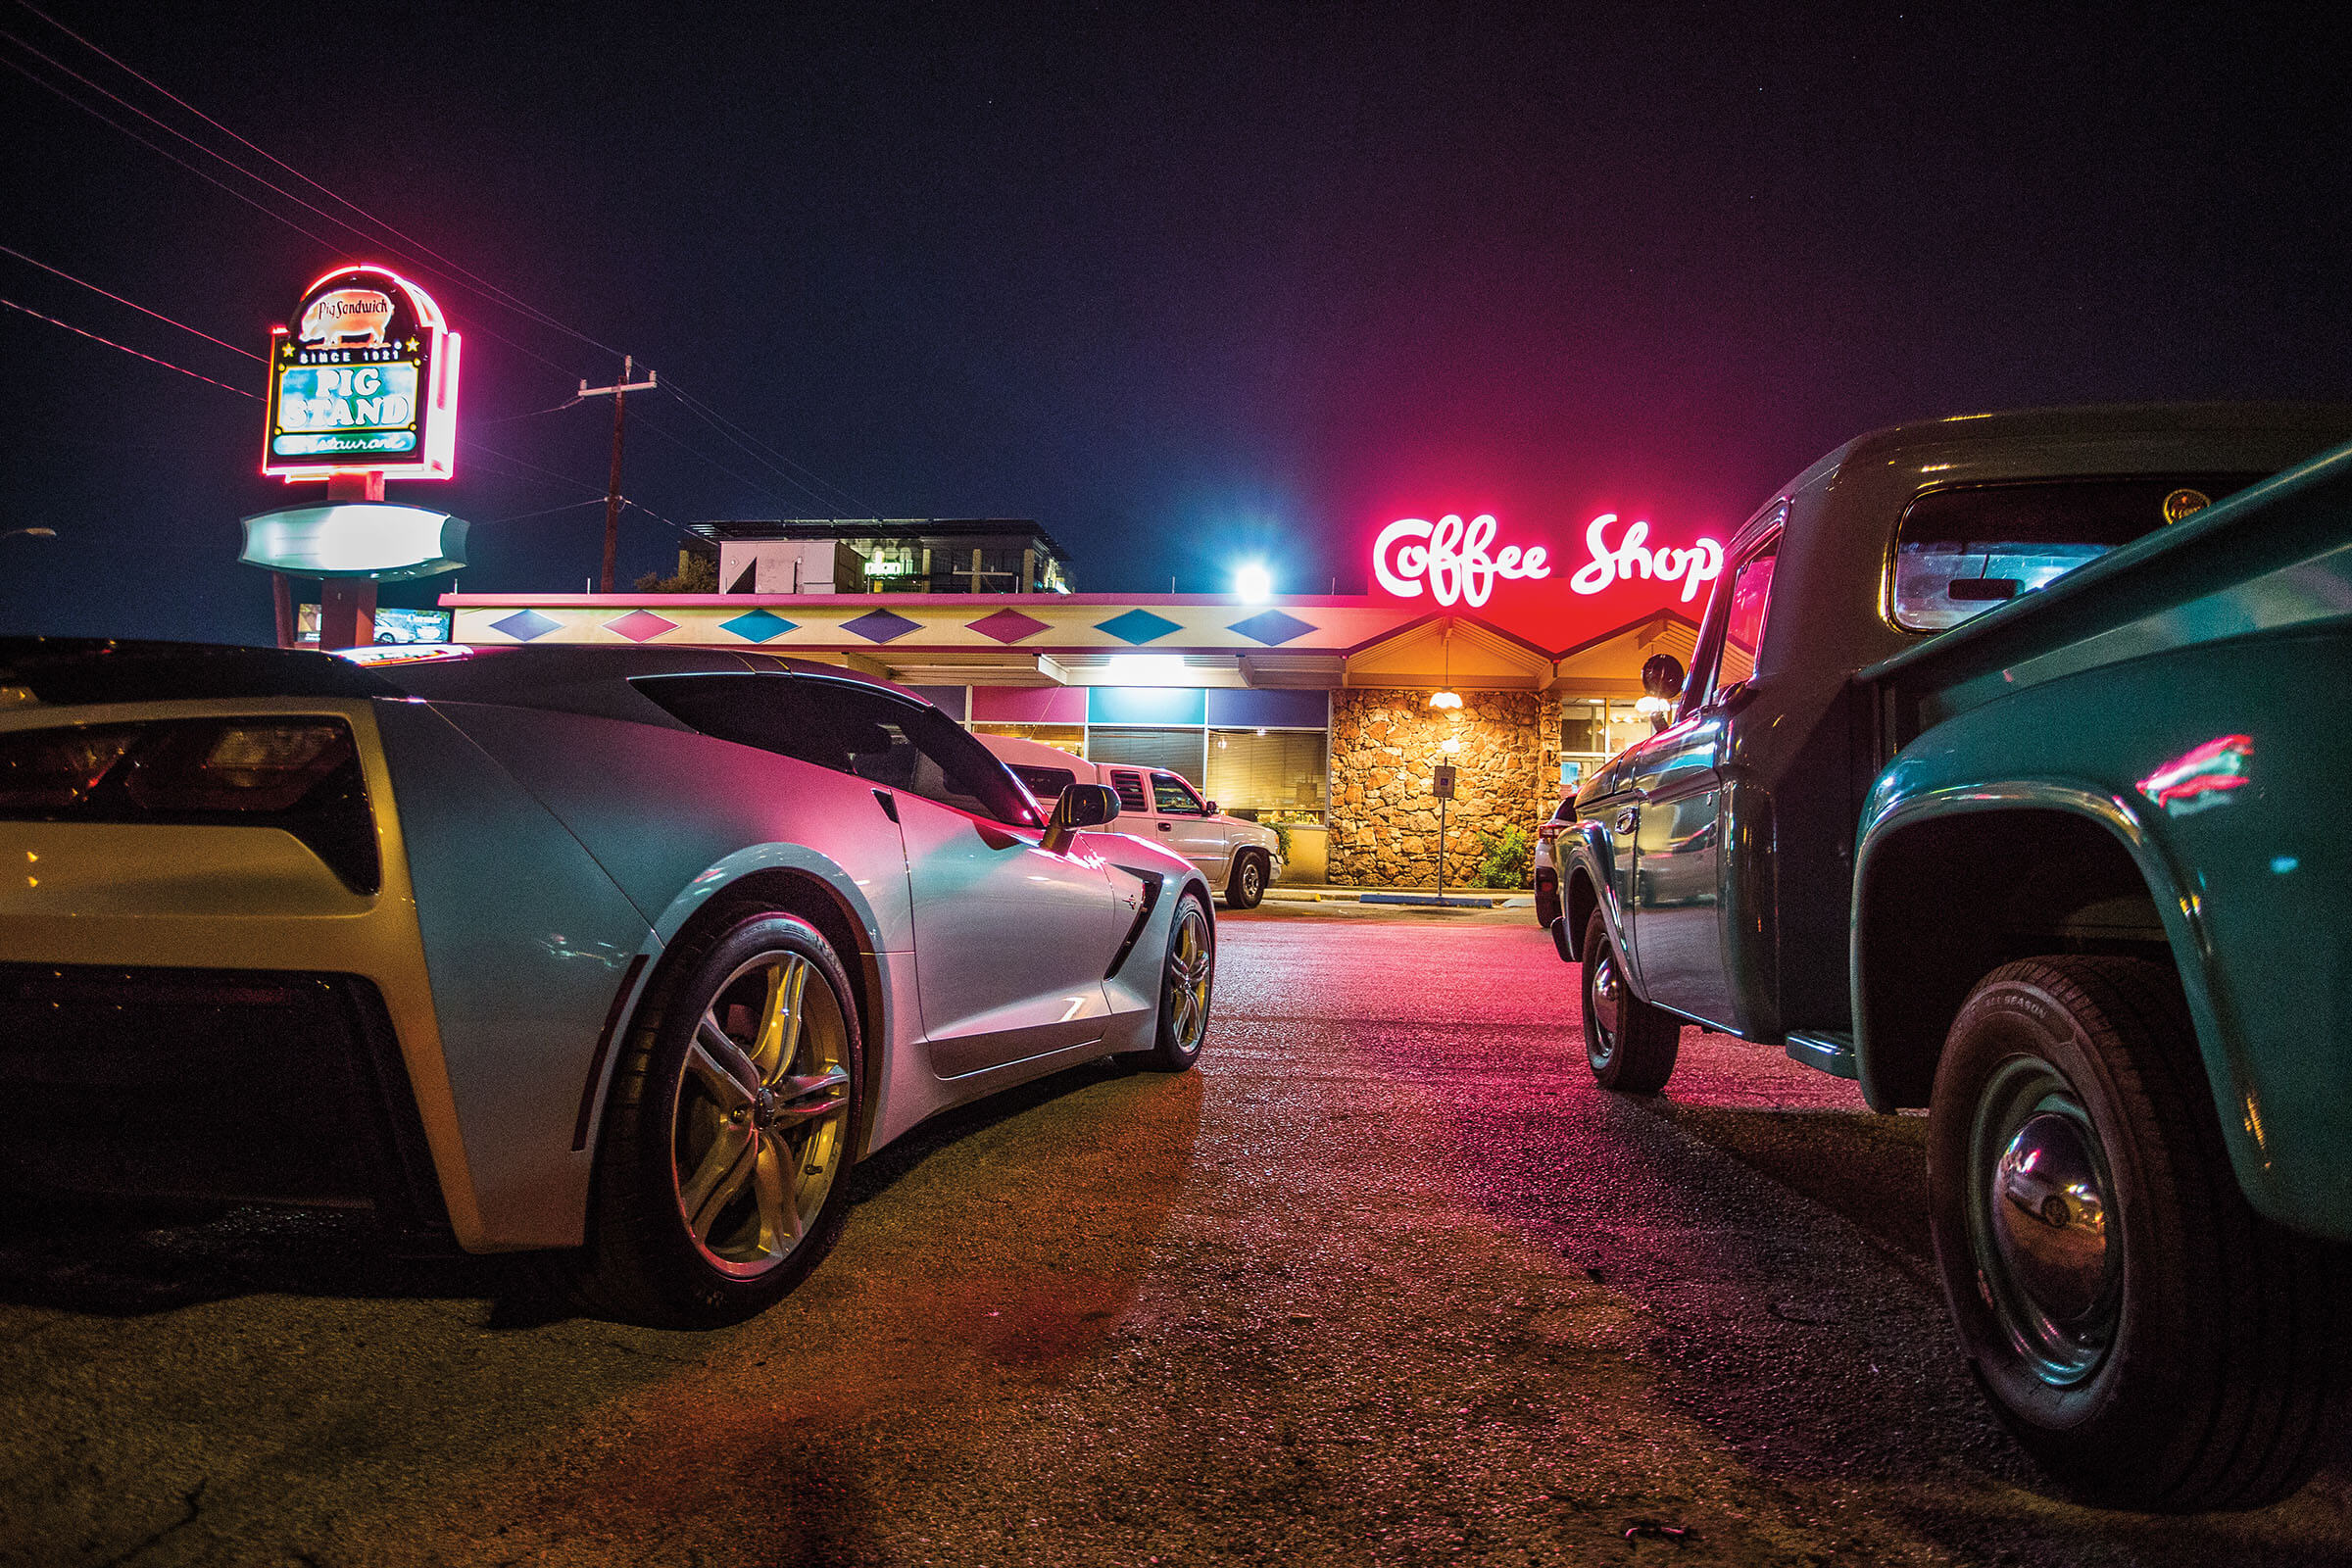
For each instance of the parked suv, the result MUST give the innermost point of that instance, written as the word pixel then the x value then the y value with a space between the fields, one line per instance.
pixel 1162 808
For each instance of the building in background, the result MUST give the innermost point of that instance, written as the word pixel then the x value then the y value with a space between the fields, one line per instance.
pixel 883 555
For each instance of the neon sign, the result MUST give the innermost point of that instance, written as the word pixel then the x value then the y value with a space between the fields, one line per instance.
pixel 1452 558
pixel 362 380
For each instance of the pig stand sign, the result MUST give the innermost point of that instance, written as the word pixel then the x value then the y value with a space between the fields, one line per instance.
pixel 362 380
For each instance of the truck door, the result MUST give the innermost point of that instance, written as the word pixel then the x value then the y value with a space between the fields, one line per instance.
pixel 1685 809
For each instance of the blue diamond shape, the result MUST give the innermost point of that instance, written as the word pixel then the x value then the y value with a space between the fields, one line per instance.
pixel 756 626
pixel 880 625
pixel 1136 626
pixel 1272 628
pixel 526 624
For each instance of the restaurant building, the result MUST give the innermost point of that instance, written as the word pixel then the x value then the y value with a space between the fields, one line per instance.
pixel 1325 713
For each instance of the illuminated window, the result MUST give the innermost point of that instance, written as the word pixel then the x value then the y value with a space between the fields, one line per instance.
pixel 1277 775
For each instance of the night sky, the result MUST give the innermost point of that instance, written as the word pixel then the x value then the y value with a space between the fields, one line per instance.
pixel 1186 284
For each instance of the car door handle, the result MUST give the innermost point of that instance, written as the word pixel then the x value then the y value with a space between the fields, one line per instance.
pixel 1167 827
pixel 889 803
pixel 1627 818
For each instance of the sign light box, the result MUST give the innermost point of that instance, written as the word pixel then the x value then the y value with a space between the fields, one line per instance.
pixel 362 380
pixel 371 539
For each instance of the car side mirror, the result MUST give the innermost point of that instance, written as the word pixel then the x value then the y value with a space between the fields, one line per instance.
pixel 1080 805
pixel 1210 809
pixel 1662 677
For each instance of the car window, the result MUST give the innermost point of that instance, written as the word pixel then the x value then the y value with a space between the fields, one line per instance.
pixel 1130 787
pixel 1046 783
pixel 1743 628
pixel 1962 550
pixel 1173 797
pixel 851 728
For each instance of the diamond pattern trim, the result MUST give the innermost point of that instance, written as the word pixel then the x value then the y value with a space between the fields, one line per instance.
pixel 640 625
pixel 1272 628
pixel 1136 627
pixel 1007 626
pixel 526 624
pixel 757 625
pixel 880 625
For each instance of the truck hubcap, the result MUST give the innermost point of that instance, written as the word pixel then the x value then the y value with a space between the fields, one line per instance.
pixel 1604 1000
pixel 2038 1221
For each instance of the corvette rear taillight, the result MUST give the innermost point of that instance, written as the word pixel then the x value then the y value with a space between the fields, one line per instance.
pixel 237 768
pixel 300 775
pixel 48 769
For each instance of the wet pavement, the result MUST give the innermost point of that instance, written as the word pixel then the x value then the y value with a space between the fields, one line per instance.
pixel 1387 1280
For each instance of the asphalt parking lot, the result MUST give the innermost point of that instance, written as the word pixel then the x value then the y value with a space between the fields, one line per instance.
pixel 1387 1280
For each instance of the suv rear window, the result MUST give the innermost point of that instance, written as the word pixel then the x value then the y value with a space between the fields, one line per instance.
pixel 1960 552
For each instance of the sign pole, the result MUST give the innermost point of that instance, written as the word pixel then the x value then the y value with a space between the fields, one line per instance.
pixel 347 605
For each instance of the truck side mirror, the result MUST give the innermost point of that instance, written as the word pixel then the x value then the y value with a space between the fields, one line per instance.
pixel 1662 677
pixel 1210 809
pixel 1080 805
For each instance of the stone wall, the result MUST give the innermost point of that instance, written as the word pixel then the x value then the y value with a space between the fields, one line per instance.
pixel 1383 743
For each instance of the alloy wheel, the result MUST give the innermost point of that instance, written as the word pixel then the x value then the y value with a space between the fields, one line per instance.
pixel 1191 958
pixel 760 1129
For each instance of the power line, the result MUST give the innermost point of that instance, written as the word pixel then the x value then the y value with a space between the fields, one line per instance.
pixel 511 301
pixel 694 450
pixel 751 444
pixel 128 349
pixel 568 506
pixel 133 304
pixel 473 283
pixel 213 153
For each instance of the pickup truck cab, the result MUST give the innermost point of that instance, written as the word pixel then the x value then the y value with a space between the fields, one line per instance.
pixel 1239 857
pixel 1998 783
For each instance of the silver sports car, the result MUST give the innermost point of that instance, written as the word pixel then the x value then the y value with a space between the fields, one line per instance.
pixel 622 954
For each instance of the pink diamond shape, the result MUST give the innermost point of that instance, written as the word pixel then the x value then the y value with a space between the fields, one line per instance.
pixel 638 626
pixel 1007 625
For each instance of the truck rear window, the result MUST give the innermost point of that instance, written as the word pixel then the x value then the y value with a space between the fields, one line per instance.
pixel 1046 783
pixel 1960 552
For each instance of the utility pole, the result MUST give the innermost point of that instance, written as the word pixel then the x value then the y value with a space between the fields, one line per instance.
pixel 620 391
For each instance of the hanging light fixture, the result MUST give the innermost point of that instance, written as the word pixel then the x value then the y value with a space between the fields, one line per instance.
pixel 1446 695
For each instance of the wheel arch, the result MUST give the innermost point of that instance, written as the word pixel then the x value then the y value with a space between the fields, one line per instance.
pixel 792 880
pixel 1951 884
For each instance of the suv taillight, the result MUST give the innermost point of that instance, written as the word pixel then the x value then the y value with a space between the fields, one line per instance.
pixel 299 774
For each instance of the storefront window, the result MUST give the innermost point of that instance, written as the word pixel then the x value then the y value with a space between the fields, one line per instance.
pixel 1176 750
pixel 1598 729
pixel 1278 775
pixel 1070 738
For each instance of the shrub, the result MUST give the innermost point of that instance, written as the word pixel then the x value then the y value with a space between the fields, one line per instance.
pixel 1506 859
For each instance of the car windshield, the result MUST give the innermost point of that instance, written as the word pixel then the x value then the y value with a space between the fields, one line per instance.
pixel 1960 552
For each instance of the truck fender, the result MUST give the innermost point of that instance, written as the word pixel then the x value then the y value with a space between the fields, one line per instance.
pixel 1891 1074
pixel 1589 860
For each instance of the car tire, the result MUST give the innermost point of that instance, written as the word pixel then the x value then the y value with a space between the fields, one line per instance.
pixel 1246 885
pixel 2150 1340
pixel 1629 1044
pixel 1187 986
pixel 721 1169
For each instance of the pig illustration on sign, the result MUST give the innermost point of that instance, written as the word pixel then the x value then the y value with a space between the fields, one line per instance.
pixel 348 317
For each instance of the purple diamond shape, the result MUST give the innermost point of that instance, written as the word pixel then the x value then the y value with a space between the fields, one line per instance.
pixel 1272 628
pixel 1007 625
pixel 640 625
pixel 879 625
pixel 526 624
pixel 1136 626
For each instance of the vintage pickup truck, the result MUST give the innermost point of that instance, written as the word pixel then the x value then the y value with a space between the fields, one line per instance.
pixel 2010 777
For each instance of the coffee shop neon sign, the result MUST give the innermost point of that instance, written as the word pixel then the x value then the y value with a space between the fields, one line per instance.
pixel 1458 561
